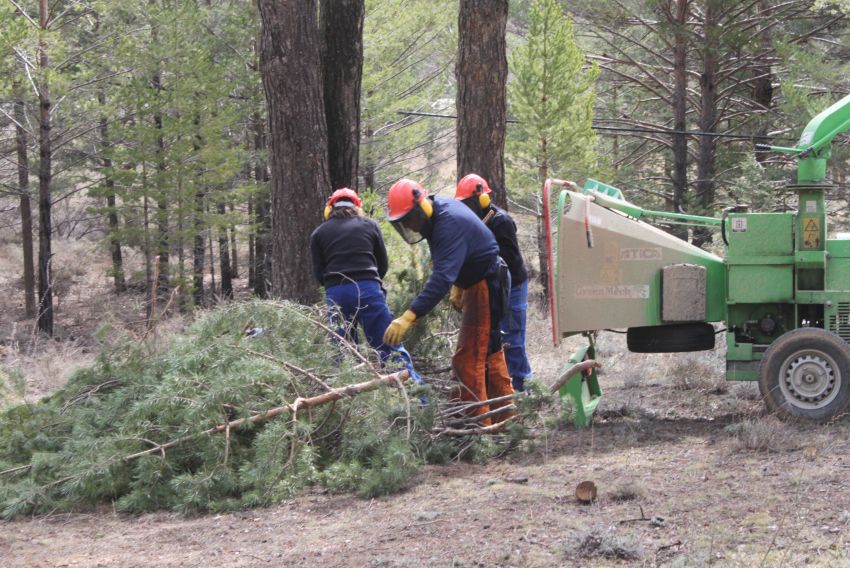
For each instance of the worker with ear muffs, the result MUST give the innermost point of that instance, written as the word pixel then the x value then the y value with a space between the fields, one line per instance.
pixel 350 261
pixel 464 255
pixel 474 192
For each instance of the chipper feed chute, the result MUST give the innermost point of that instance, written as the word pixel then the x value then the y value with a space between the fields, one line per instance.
pixel 614 271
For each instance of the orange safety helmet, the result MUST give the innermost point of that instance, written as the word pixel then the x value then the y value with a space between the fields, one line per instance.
pixel 473 185
pixel 345 194
pixel 409 209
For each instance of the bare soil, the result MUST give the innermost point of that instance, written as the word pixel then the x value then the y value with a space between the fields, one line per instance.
pixel 689 473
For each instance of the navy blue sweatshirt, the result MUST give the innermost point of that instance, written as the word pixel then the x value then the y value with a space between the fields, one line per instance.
pixel 346 249
pixel 463 251
pixel 504 229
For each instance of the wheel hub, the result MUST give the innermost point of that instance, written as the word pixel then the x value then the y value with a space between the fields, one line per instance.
pixel 810 380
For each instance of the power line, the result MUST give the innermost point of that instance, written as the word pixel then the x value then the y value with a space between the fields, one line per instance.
pixel 624 129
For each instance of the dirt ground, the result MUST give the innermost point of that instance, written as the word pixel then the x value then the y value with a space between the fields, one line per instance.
pixel 689 473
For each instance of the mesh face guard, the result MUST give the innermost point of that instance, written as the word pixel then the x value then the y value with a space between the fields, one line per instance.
pixel 415 218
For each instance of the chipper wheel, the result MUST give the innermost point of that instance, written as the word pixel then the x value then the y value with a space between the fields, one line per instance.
pixel 806 374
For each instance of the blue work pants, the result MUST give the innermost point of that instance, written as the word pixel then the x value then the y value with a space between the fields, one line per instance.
pixel 513 330
pixel 361 303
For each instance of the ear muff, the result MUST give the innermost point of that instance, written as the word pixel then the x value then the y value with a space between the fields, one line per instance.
pixel 426 206
pixel 327 213
pixel 483 198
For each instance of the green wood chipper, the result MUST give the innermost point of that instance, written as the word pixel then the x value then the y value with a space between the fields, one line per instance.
pixel 782 287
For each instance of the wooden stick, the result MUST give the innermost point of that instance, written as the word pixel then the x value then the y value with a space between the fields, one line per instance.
pixel 298 403
pixel 480 417
pixel 577 368
pixel 477 431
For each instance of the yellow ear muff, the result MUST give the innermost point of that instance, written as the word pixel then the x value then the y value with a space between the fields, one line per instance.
pixel 484 200
pixel 328 212
pixel 427 207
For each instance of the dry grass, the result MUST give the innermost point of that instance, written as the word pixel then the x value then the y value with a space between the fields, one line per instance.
pixel 765 434
pixel 602 543
pixel 628 491
pixel 698 373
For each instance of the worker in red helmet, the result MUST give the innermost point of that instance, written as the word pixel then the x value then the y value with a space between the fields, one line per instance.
pixel 350 261
pixel 465 257
pixel 474 191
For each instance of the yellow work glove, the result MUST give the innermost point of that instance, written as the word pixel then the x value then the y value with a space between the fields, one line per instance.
pixel 398 328
pixel 456 298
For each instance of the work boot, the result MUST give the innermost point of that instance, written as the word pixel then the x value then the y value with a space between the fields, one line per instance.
pixel 499 384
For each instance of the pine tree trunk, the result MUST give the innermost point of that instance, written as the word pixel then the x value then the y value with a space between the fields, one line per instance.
pixel 291 72
pixel 198 245
pixel 342 64
pixel 763 84
pixel 224 256
pixel 680 86
pixel 112 212
pixel 163 237
pixel 706 164
pixel 482 73
pixel 262 218
pixel 45 279
pixel 542 252
pixel 234 256
pixel 26 210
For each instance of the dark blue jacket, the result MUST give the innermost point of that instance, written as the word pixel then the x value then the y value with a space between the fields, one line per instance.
pixel 504 229
pixel 348 249
pixel 463 251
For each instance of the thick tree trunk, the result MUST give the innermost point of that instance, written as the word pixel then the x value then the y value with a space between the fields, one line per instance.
pixel 680 86
pixel 45 278
pixel 482 73
pixel 291 72
pixel 706 166
pixel 342 64
pixel 26 210
pixel 112 212
pixel 262 215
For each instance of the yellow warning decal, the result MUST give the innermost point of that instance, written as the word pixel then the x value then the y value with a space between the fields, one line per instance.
pixel 811 233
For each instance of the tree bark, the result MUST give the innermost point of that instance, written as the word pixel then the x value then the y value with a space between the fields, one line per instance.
pixel 45 279
pixel 112 212
pixel 199 225
pixel 342 65
pixel 262 214
pixel 291 73
pixel 763 84
pixel 234 255
pixel 680 87
pixel 482 73
pixel 224 257
pixel 707 161
pixel 26 210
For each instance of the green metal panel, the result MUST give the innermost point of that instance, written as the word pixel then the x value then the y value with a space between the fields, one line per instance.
pixel 838 248
pixel 838 273
pixel 757 235
pixel 755 284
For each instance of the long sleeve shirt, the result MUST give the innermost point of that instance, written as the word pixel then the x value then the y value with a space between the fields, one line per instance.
pixel 504 229
pixel 463 252
pixel 348 249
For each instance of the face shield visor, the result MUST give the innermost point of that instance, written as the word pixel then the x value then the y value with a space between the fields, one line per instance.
pixel 413 227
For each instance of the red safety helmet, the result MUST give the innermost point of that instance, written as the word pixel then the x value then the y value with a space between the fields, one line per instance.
pixel 342 194
pixel 474 186
pixel 409 209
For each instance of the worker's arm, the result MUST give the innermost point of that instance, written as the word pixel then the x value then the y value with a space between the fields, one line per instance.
pixel 380 252
pixel 448 255
pixel 504 229
pixel 318 257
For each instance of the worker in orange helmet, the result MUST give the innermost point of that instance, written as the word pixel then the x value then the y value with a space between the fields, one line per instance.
pixel 474 191
pixel 465 259
pixel 350 260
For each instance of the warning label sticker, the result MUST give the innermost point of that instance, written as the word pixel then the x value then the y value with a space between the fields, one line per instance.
pixel 811 232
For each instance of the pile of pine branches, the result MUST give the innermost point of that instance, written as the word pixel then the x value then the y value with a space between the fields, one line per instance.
pixel 253 403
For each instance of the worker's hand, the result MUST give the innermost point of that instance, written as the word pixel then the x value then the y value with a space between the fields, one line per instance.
pixel 456 298
pixel 398 328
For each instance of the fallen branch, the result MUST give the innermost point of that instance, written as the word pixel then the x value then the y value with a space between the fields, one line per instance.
pixel 577 368
pixel 298 403
pixel 480 417
pixel 477 431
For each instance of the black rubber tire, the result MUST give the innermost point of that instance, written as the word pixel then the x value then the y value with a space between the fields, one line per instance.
pixel 675 338
pixel 821 351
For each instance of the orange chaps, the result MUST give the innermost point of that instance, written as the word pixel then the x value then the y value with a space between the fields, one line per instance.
pixel 482 375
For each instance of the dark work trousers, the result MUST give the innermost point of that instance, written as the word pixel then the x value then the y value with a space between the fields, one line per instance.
pixel 513 330
pixel 361 303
